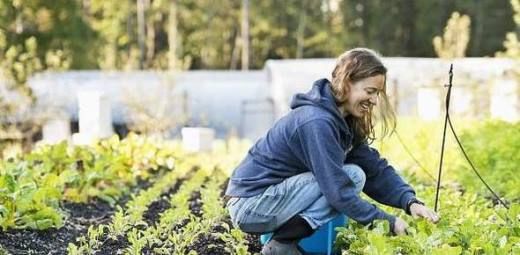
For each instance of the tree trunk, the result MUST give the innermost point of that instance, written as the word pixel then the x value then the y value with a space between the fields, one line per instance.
pixel 245 34
pixel 365 28
pixel 479 28
pixel 172 36
pixel 300 37
pixel 408 26
pixel 235 52
pixel 141 31
pixel 150 38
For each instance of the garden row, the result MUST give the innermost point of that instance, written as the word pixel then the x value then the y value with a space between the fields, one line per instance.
pixel 133 196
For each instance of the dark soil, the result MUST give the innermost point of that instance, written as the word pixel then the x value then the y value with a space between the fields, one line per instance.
pixel 55 241
pixel 195 204
pixel 157 207
pixel 210 243
pixel 254 245
pixel 111 246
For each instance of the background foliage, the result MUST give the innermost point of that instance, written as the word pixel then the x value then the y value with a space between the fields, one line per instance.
pixel 207 34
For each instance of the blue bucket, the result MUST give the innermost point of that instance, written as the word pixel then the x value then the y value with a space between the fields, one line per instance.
pixel 322 241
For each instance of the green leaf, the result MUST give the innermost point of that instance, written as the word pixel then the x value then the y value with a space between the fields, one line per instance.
pixel 447 250
pixel 8 182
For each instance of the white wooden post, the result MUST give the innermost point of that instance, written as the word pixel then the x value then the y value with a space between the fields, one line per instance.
pixel 196 139
pixel 460 102
pixel 95 119
pixel 428 103
pixel 504 100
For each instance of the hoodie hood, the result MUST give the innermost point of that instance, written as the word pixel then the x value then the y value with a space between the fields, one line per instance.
pixel 320 96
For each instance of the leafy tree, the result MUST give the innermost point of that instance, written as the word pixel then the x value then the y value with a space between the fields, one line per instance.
pixel 455 39
pixel 511 44
pixel 56 25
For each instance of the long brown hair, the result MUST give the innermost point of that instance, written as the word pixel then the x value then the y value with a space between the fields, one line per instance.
pixel 355 65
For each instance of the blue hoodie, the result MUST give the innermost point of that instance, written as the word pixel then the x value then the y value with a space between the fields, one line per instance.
pixel 314 137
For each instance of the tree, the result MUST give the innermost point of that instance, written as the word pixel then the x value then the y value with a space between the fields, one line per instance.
pixel 512 44
pixel 454 41
pixel 112 21
pixel 52 24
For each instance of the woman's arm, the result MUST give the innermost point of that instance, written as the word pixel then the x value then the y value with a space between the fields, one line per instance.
pixel 317 144
pixel 383 183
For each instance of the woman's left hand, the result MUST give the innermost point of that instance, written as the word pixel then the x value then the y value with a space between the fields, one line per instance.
pixel 418 210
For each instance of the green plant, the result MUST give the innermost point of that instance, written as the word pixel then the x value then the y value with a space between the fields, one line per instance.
pixel 119 224
pixel 26 202
pixel 136 242
pixel 468 226
pixel 235 240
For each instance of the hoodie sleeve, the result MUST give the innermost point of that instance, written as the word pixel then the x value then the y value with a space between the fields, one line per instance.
pixel 318 143
pixel 383 184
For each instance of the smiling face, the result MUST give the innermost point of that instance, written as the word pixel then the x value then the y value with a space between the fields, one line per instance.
pixel 362 96
pixel 358 84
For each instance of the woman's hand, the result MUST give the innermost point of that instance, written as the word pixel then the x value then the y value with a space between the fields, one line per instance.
pixel 418 210
pixel 400 226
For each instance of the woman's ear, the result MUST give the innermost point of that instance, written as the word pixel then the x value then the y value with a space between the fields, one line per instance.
pixel 345 90
pixel 347 87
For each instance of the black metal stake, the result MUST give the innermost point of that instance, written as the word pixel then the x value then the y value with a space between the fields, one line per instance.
pixel 444 137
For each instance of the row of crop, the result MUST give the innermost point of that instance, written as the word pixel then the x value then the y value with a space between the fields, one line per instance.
pixel 177 229
pixel 214 215
pixel 122 221
pixel 468 225
pixel 33 186
pixel 159 238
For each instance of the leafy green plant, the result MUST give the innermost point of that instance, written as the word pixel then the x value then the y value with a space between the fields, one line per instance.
pixel 493 148
pixel 26 202
pixel 468 226
pixel 235 240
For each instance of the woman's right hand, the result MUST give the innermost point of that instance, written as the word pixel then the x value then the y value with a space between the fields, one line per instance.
pixel 400 226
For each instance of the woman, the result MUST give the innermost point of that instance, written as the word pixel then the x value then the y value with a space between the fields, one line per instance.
pixel 313 162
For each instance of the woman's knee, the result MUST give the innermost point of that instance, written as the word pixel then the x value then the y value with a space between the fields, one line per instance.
pixel 247 217
pixel 356 174
pixel 304 182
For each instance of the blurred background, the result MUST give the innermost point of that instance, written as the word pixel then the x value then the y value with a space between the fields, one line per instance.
pixel 77 70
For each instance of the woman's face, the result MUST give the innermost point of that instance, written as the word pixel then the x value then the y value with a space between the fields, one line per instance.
pixel 363 95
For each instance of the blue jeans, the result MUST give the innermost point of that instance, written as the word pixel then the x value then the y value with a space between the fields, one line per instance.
pixel 299 194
